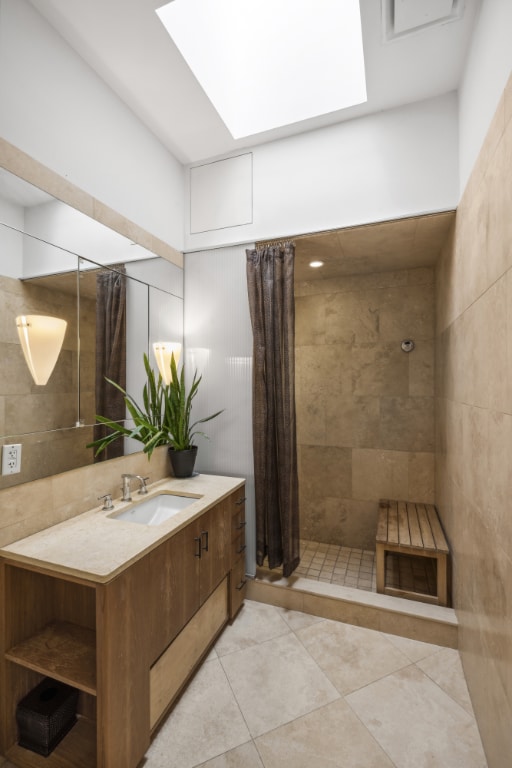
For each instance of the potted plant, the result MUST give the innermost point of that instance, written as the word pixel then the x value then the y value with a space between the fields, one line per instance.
pixel 163 419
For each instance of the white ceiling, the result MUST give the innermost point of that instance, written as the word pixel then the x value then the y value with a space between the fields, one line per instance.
pixel 126 44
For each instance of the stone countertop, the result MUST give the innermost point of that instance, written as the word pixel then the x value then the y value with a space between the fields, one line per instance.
pixel 95 547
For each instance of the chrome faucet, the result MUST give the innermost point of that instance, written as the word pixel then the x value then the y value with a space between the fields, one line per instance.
pixel 126 485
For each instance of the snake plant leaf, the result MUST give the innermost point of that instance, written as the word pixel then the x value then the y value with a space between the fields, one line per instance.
pixel 164 417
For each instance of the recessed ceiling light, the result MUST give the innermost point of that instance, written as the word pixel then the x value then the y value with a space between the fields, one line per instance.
pixel 316 264
pixel 268 63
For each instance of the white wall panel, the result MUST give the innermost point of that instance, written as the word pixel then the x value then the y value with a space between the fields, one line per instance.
pixel 221 194
pixel 393 164
pixel 218 341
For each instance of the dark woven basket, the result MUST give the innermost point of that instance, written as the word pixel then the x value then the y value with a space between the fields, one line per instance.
pixel 45 715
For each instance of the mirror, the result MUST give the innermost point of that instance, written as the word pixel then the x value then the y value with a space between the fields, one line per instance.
pixel 46 268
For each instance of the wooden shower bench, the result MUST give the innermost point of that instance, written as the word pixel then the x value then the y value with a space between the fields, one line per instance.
pixel 412 529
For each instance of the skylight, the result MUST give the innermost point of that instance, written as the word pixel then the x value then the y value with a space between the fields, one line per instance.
pixel 269 63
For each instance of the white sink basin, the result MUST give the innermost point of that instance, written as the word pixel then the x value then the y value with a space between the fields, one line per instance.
pixel 156 510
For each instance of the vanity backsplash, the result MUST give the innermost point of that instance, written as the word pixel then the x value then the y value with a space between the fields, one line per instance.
pixel 34 506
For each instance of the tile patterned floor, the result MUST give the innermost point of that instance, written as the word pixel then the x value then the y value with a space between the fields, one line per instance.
pixel 348 566
pixel 352 567
pixel 283 689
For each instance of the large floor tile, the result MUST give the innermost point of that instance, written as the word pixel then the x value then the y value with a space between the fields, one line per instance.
pixel 417 724
pixel 351 657
pixel 275 682
pixel 445 669
pixel 206 722
pixel 245 756
pixel 413 649
pixel 255 623
pixel 297 620
pixel 330 737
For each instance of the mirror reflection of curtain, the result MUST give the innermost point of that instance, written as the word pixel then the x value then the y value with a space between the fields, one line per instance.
pixel 110 352
pixel 270 273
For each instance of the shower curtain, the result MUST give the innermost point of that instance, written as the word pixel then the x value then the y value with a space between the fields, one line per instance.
pixel 110 352
pixel 270 272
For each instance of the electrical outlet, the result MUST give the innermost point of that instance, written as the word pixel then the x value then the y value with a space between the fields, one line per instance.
pixel 11 459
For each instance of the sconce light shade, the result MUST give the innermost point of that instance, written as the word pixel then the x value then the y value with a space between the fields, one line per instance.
pixel 41 339
pixel 163 350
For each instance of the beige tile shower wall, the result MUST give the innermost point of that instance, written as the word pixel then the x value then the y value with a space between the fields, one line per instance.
pixel 365 409
pixel 474 432
pixel 27 408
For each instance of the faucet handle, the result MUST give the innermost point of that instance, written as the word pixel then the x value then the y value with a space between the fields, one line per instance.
pixel 107 501
pixel 143 490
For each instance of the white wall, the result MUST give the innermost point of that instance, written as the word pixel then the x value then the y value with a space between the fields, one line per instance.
pixel 486 73
pixel 397 163
pixel 218 337
pixel 70 232
pixel 57 110
pixel 11 242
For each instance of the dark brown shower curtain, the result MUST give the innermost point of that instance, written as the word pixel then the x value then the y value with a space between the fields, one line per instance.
pixel 110 352
pixel 270 285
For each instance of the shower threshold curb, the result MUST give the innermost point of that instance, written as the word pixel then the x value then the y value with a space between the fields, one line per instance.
pixel 393 615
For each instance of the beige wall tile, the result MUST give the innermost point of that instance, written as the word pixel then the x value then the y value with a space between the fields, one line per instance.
pixel 379 369
pixel 379 474
pixel 352 421
pixel 407 423
pixel 422 477
pixel 356 388
pixel 310 320
pixel 406 314
pixel 421 368
pixel 474 428
pixel 325 471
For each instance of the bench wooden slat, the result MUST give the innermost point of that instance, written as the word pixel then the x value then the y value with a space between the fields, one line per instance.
pixel 382 524
pixel 440 541
pixel 414 526
pixel 426 532
pixel 404 536
pixel 393 523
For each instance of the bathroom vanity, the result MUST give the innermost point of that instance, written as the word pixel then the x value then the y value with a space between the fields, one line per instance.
pixel 124 612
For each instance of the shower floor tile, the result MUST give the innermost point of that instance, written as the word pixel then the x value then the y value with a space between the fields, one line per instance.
pixel 353 567
pixel 347 566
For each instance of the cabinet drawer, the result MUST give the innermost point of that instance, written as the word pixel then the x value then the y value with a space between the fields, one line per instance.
pixel 238 586
pixel 238 514
pixel 238 547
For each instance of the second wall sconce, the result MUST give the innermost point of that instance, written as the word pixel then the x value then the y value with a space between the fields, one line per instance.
pixel 163 350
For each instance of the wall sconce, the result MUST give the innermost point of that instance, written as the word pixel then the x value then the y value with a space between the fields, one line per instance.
pixel 41 340
pixel 163 350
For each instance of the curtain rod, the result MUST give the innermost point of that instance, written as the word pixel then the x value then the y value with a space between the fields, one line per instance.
pixel 274 243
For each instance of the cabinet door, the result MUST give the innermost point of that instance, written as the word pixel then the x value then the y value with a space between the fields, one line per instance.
pixel 213 529
pixel 174 568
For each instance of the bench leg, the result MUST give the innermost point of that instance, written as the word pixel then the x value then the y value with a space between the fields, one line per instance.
pixel 380 560
pixel 442 580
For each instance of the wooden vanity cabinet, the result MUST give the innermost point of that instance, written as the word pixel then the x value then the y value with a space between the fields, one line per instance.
pixel 128 645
